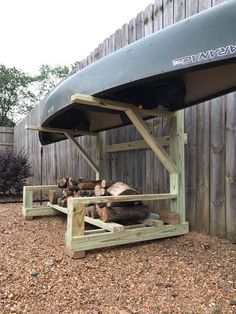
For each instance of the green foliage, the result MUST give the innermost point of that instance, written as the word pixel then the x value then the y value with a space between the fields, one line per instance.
pixel 49 77
pixel 15 97
pixel 14 169
pixel 19 92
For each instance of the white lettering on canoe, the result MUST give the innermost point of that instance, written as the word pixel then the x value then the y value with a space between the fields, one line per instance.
pixel 205 55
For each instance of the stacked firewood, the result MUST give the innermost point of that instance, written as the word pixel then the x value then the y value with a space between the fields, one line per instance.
pixel 123 211
pixel 68 187
pixel 107 211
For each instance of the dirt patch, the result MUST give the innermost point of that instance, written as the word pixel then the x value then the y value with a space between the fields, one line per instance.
pixel 188 274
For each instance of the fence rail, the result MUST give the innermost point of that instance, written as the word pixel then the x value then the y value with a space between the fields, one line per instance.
pixel 210 152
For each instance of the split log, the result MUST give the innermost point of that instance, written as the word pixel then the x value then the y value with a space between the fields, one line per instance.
pixel 73 181
pixel 73 188
pixel 124 204
pixel 99 207
pixel 99 191
pixel 121 188
pixel 106 183
pixel 117 214
pixel 86 185
pixel 91 211
pixel 67 192
pixel 83 193
pixel 62 182
pixel 62 201
pixel 54 195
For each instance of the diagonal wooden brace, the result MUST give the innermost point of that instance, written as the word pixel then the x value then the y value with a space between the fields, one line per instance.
pixel 135 117
pixel 83 153
pixel 152 142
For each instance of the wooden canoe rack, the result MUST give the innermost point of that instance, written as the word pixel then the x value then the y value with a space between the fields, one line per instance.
pixel 77 239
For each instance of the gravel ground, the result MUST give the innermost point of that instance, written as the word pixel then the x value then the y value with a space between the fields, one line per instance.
pixel 189 274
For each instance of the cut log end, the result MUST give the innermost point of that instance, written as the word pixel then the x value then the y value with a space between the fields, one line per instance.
pixel 54 195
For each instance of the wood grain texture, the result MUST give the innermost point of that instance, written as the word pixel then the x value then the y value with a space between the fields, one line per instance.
pixel 203 175
pixel 89 242
pixel 230 170
pixel 217 168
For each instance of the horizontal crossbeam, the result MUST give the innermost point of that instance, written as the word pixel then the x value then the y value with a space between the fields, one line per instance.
pixel 57 130
pixel 116 105
pixel 120 147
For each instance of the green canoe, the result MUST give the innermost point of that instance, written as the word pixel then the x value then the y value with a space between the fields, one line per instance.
pixel 182 65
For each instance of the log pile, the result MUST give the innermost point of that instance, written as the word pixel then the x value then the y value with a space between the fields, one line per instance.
pixel 117 212
pixel 107 212
pixel 71 187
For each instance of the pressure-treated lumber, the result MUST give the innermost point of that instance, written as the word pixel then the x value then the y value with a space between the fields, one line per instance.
pixel 158 150
pixel 83 152
pixel 39 211
pixel 135 117
pixel 39 187
pixel 134 145
pixel 89 242
pixel 112 226
pixel 75 222
pixel 125 198
pixel 57 130
pixel 149 226
pixel 116 105
pixel 59 208
pixel 177 181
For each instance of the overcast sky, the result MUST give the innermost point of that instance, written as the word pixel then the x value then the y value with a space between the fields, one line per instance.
pixel 36 32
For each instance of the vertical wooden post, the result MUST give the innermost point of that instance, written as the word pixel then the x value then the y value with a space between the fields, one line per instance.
pixel 27 202
pixel 100 154
pixel 75 226
pixel 177 181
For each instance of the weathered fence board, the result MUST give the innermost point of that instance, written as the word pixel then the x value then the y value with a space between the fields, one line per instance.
pixel 230 170
pixel 209 154
pixel 6 139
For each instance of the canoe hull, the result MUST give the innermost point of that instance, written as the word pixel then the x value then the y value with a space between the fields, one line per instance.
pixel 182 65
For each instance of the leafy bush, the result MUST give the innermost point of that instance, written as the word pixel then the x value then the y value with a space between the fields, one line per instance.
pixel 14 170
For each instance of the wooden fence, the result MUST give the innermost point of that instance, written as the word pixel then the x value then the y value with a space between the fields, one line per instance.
pixel 6 139
pixel 210 152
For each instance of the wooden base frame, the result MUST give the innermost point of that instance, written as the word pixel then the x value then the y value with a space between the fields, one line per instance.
pixel 77 239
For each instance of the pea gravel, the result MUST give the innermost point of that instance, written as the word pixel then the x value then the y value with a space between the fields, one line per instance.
pixel 195 273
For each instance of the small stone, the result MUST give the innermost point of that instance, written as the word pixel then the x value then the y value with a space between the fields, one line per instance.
pixel 50 262
pixel 11 296
pixel 174 294
pixel 232 302
pixel 205 246
pixel 168 285
pixel 34 274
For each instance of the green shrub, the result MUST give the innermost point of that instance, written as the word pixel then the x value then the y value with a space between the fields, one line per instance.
pixel 14 170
